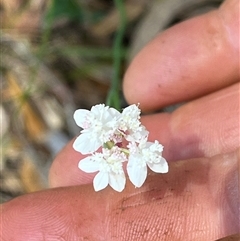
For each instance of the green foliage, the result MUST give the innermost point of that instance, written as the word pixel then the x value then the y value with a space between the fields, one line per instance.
pixel 64 8
pixel 74 11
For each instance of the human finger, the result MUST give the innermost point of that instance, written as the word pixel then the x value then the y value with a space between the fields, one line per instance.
pixel 190 59
pixel 64 170
pixel 196 200
pixel 201 128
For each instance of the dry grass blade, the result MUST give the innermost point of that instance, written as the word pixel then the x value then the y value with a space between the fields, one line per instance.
pixel 110 23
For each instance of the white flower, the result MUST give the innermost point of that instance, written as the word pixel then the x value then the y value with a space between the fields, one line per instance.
pixel 138 136
pixel 145 154
pixel 130 125
pixel 109 165
pixel 130 118
pixel 123 139
pixel 99 124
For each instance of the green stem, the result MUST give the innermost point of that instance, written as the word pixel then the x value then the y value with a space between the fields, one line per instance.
pixel 113 98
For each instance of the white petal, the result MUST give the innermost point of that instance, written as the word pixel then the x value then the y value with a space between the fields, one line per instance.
pixel 132 110
pixel 99 108
pixel 117 182
pixel 161 167
pixel 79 116
pixel 100 181
pixel 85 145
pixel 114 113
pixel 139 137
pixel 137 174
pixel 87 165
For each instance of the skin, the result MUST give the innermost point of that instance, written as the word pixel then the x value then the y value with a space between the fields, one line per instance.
pixel 195 61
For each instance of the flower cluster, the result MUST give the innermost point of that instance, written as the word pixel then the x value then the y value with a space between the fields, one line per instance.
pixel 122 139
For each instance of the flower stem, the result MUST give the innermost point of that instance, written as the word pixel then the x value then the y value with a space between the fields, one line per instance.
pixel 113 98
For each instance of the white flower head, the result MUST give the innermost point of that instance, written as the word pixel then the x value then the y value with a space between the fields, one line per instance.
pixel 130 118
pixel 123 139
pixel 109 167
pixel 131 126
pixel 145 154
pixel 99 124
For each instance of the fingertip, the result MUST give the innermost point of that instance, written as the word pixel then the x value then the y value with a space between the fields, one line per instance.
pixel 188 60
pixel 229 14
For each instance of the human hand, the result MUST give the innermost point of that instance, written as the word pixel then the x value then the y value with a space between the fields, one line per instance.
pixel 197 199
